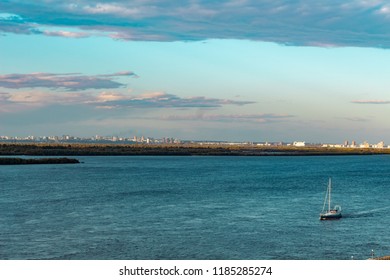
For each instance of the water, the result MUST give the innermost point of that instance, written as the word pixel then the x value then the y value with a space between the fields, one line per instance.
pixel 195 208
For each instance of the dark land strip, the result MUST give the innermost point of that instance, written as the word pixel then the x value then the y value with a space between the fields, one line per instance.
pixel 14 161
pixel 65 149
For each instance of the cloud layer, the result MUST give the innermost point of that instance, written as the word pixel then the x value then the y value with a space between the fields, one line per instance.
pixel 376 102
pixel 303 22
pixel 258 118
pixel 44 89
pixel 62 81
pixel 162 100
pixel 112 100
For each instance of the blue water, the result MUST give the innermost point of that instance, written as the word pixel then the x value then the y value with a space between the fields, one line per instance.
pixel 195 208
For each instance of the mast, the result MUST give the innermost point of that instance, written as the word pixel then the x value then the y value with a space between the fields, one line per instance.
pixel 326 199
pixel 330 190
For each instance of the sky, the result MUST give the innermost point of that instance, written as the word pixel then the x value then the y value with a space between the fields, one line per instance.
pixel 238 70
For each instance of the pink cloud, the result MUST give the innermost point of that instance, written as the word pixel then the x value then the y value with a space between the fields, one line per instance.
pixel 66 34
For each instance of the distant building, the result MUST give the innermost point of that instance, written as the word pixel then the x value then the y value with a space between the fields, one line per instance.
pixel 299 144
pixel 365 145
pixel 380 145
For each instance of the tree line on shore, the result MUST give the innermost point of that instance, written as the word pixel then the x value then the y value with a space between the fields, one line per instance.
pixel 58 149
pixel 16 161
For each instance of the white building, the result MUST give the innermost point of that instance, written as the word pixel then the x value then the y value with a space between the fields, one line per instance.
pixel 299 144
pixel 365 145
pixel 380 145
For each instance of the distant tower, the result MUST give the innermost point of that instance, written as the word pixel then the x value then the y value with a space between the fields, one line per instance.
pixel 353 143
pixel 346 143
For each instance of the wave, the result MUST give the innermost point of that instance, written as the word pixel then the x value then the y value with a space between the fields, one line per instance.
pixel 365 213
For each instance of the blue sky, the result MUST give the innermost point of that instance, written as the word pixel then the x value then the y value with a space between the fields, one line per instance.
pixel 218 70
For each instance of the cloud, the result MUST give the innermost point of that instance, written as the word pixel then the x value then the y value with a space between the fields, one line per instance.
pixel 45 98
pixel 12 23
pixel 379 102
pixel 258 118
pixel 14 102
pixel 357 119
pixel 113 9
pixel 110 100
pixel 303 22
pixel 161 100
pixel 4 95
pixel 66 34
pixel 6 106
pixel 69 82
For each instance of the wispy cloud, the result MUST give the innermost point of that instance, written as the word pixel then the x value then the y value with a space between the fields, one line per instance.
pixel 376 102
pixel 112 100
pixel 304 22
pixel 357 119
pixel 258 118
pixel 161 100
pixel 45 98
pixel 69 81
pixel 13 102
pixel 66 34
pixel 7 106
pixel 12 23
pixel 4 95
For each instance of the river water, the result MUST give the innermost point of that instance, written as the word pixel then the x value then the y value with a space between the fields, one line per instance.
pixel 195 207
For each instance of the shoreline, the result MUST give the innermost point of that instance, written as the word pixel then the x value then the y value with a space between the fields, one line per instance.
pixel 75 149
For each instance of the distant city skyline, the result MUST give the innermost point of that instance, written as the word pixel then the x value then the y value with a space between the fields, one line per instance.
pixel 237 70
pixel 65 138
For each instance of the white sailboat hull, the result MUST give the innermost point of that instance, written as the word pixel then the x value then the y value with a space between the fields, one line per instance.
pixel 332 215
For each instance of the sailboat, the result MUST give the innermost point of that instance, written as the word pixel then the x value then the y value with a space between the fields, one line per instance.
pixel 330 214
